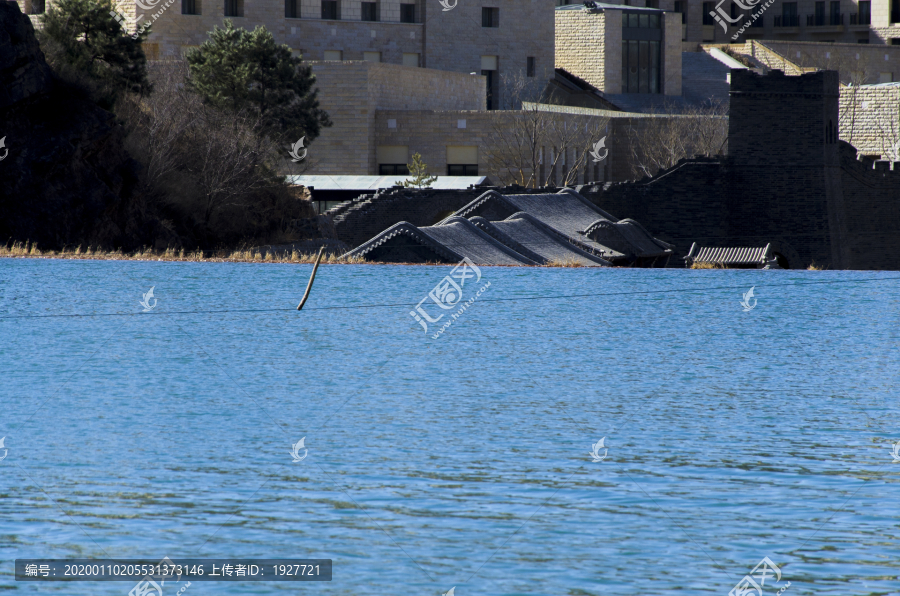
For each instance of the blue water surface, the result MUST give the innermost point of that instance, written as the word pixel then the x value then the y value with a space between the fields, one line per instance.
pixel 458 462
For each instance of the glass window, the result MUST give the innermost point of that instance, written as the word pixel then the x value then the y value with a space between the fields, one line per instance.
pixel 865 12
pixel 490 17
pixel 462 170
pixel 640 66
pixel 290 9
pixel 330 10
pixel 529 68
pixel 654 21
pixel 644 21
pixel 369 11
pixel 234 8
pixel 393 169
pixel 407 13
pixel 190 7
pixel 707 16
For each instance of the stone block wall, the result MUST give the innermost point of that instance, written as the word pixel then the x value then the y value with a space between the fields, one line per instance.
pixel 582 46
pixel 857 63
pixel 352 92
pixel 870 120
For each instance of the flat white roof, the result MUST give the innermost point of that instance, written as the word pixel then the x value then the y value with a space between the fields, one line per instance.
pixel 379 182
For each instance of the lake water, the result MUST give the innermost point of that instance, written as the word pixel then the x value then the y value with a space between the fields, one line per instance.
pixel 461 462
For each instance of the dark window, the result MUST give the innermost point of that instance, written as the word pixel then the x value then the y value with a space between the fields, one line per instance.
pixel 865 12
pixel 652 3
pixel 393 169
pixel 330 10
pixel 819 19
pixel 836 13
pixel 490 17
pixel 734 10
pixel 895 11
pixel 895 41
pixel 290 9
pixel 190 6
pixel 462 170
pixel 679 7
pixel 234 8
pixel 788 17
pixel 862 41
pixel 407 13
pixel 640 66
pixel 491 86
pixel 529 69
pixel 708 12
pixel 37 7
pixel 369 11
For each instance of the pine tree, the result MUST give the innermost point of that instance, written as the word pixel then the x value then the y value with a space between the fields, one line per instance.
pixel 419 171
pixel 236 69
pixel 85 36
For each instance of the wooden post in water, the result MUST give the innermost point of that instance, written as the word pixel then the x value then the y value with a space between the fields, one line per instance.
pixel 311 278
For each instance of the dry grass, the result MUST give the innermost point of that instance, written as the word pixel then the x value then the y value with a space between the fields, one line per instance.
pixel 31 250
pixel 567 262
pixel 814 267
pixel 700 265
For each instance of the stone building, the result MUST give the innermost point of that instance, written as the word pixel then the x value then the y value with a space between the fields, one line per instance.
pixel 842 21
pixel 489 38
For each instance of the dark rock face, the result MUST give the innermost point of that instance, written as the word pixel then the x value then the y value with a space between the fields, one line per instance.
pixel 66 178
pixel 22 68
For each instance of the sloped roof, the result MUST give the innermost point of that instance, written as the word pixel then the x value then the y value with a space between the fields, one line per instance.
pixel 379 182
pixel 462 236
pixel 729 255
pixel 628 236
pixel 543 240
pixel 408 233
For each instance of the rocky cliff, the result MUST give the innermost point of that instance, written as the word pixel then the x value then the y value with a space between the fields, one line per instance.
pixel 65 178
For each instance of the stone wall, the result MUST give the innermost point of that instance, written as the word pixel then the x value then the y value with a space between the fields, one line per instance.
pixel 352 92
pixel 857 63
pixel 870 120
pixel 582 47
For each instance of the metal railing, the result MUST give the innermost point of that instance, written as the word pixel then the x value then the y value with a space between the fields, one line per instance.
pixel 832 20
pixel 787 20
pixel 861 19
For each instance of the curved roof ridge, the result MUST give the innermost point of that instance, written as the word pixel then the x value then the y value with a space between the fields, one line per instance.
pixel 587 202
pixel 404 228
pixel 577 245
pixel 466 209
pixel 506 239
pixel 490 240
pixel 638 224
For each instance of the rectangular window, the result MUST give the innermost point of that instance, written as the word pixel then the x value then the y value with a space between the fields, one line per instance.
pixel 462 170
pixel 895 14
pixel 190 6
pixel 820 14
pixel 330 10
pixel 290 9
pixel 679 7
pixel 491 85
pixel 333 55
pixel 370 11
pixel 234 8
pixel 836 13
pixel 411 60
pixel 37 7
pixel 789 16
pixel 640 66
pixel 865 12
pixel 708 11
pixel 490 17
pixel 372 56
pixel 407 13
pixel 393 169
pixel 529 68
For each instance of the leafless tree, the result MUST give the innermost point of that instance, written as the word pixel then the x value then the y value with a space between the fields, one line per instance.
pixel 540 136
pixel 659 142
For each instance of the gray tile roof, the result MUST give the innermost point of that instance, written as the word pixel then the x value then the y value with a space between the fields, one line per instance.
pixel 729 255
